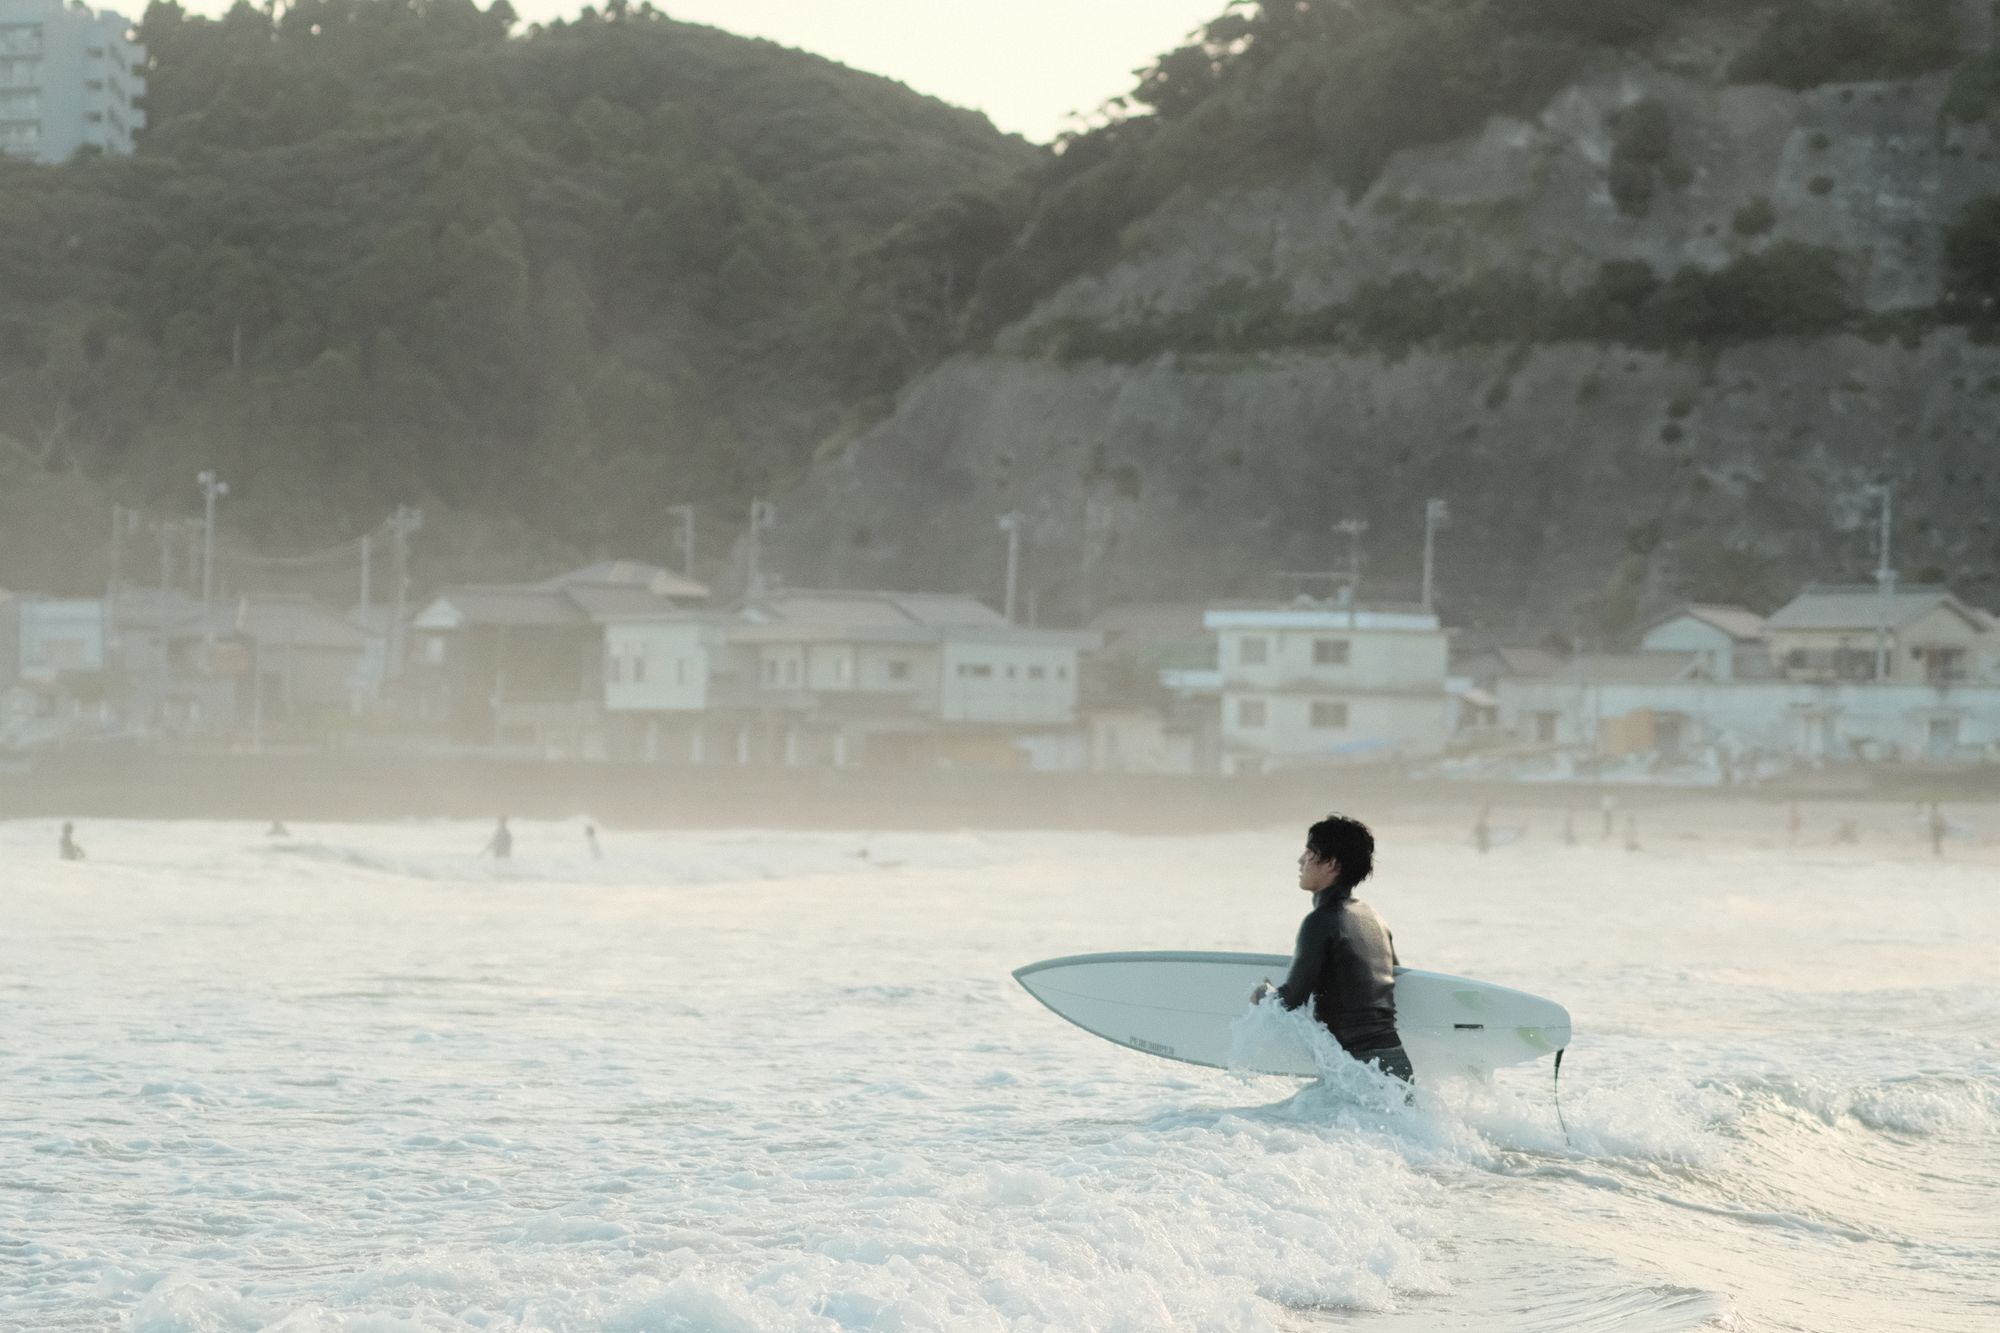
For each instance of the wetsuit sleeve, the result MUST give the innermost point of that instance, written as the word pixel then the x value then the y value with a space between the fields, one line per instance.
pixel 1308 963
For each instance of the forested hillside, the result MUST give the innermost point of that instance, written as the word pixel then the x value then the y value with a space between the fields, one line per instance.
pixel 376 251
pixel 1652 291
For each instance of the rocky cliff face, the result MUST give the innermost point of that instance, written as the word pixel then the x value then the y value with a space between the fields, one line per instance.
pixel 1590 482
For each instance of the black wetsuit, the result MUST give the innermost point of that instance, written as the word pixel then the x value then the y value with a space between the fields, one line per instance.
pixel 1345 964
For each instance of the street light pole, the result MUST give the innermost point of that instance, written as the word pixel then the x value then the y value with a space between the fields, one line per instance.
pixel 1010 523
pixel 685 513
pixel 212 488
pixel 1353 528
pixel 1436 515
pixel 1885 587
pixel 762 515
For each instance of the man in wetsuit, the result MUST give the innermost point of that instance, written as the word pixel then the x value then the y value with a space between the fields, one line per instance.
pixel 1345 959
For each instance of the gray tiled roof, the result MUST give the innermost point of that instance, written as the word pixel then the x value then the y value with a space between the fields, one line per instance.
pixel 1645 668
pixel 932 610
pixel 296 621
pixel 1860 606
pixel 1738 622
pixel 632 574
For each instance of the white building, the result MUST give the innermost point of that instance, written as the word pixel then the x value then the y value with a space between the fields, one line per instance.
pixel 1921 635
pixel 1729 639
pixel 42 638
pixel 1314 683
pixel 1664 704
pixel 897 678
pixel 70 79
pixel 603 662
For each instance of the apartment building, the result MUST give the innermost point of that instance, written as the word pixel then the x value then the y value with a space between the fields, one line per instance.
pixel 72 79
pixel 1312 682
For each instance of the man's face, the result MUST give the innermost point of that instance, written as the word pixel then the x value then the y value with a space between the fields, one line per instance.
pixel 1316 875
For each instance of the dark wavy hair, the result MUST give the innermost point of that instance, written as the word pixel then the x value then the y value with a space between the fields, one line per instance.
pixel 1348 841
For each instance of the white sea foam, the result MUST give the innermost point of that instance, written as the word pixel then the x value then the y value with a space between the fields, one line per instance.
pixel 363 1080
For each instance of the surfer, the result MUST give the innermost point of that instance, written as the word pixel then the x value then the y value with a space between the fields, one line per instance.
pixel 590 836
pixel 1345 959
pixel 67 848
pixel 501 845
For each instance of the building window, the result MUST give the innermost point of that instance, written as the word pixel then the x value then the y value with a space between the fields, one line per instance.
pixel 1249 713
pixel 1010 671
pixel 1545 727
pixel 974 670
pixel 1329 652
pixel 1253 652
pixel 1062 673
pixel 791 671
pixel 899 669
pixel 1327 714
pixel 1036 673
pixel 770 671
pixel 639 668
pixel 680 671
pixel 1941 664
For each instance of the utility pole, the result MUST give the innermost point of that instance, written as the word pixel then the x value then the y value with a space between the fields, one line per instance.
pixel 1096 518
pixel 762 515
pixel 685 514
pixel 1885 588
pixel 123 520
pixel 1353 529
pixel 1437 514
pixel 212 489
pixel 1010 523
pixel 407 519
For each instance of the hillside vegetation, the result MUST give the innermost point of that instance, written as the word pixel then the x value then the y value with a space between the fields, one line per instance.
pixel 1652 291
pixel 376 251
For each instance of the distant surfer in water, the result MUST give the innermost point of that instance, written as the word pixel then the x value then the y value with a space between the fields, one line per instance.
pixel 501 845
pixel 67 848
pixel 1345 959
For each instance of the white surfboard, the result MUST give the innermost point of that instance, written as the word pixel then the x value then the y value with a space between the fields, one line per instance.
pixel 1184 1006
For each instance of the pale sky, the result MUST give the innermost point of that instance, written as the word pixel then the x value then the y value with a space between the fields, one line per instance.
pixel 1026 63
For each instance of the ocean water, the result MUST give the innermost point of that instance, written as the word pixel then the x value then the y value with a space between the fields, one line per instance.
pixel 357 1079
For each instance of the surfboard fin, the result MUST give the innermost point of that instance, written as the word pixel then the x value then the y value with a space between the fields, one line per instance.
pixel 1558 1094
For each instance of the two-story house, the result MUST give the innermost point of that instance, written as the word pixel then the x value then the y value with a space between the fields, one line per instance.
pixel 558 667
pixel 838 678
pixel 1729 639
pixel 1317 683
pixel 1925 635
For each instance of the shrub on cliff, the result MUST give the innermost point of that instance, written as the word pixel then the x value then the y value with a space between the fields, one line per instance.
pixel 1972 261
pixel 1807 43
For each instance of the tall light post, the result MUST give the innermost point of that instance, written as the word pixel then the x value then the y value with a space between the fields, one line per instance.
pixel 212 489
pixel 1353 529
pixel 1010 523
pixel 1437 514
pixel 762 515
pixel 407 519
pixel 684 514
pixel 1885 587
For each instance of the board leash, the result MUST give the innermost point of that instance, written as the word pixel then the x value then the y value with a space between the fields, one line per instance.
pixel 1558 1093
